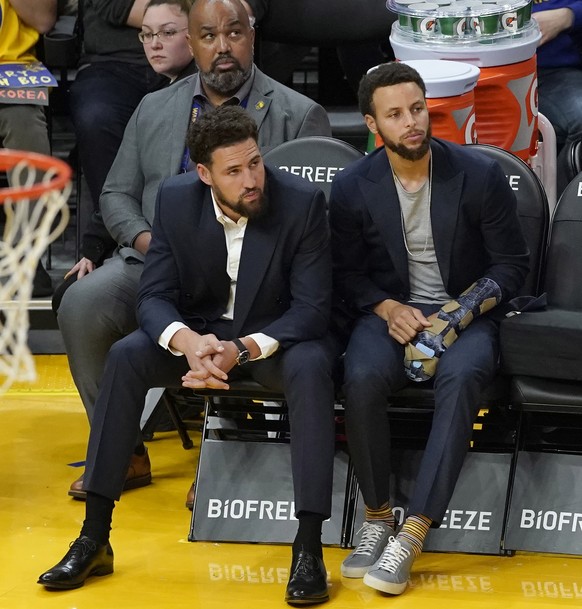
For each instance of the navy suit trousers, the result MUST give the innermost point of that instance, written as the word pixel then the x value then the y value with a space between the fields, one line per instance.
pixel 304 372
pixel 373 369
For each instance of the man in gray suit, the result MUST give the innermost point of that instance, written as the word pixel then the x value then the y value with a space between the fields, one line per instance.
pixel 99 309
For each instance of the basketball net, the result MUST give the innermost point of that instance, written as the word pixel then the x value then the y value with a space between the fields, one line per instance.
pixel 36 211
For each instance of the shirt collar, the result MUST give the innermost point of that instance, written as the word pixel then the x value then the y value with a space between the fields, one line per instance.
pixel 222 218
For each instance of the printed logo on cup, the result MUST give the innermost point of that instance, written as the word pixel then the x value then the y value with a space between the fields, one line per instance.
pixel 427 25
pixel 485 24
pixel 421 20
pixel 471 130
pixel 476 26
pixel 533 98
pixel 509 22
pixel 460 27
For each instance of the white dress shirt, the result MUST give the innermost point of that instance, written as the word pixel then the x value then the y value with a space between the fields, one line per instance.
pixel 234 233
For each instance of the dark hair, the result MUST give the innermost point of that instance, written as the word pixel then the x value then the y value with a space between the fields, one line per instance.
pixel 385 75
pixel 183 5
pixel 224 126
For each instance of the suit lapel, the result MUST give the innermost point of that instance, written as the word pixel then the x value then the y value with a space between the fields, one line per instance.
pixel 210 250
pixel 381 198
pixel 181 108
pixel 446 189
pixel 260 241
pixel 259 98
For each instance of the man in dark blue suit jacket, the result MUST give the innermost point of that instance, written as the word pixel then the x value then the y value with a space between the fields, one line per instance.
pixel 237 281
pixel 425 238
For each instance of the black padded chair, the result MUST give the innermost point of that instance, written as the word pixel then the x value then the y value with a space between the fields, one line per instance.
pixel 532 208
pixel 569 164
pixel 315 158
pixel 549 395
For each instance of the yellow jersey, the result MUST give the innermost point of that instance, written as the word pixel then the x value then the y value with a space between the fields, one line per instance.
pixel 17 40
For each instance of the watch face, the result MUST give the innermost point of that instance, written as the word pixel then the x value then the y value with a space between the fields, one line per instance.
pixel 243 357
pixel 243 352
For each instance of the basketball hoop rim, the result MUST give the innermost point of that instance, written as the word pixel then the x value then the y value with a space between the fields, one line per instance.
pixel 10 158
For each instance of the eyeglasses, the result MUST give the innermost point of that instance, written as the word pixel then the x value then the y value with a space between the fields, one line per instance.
pixel 163 35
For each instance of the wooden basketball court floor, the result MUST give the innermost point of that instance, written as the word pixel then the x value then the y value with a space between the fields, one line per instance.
pixel 44 431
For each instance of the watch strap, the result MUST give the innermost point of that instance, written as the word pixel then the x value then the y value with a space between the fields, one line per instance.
pixel 242 350
pixel 239 344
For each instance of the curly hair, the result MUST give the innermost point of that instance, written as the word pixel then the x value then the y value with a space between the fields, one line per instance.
pixel 223 126
pixel 385 75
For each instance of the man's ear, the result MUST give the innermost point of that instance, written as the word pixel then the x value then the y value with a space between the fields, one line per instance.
pixel 204 174
pixel 371 122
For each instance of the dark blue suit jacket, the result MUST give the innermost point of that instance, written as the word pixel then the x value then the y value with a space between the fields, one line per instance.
pixel 476 229
pixel 284 281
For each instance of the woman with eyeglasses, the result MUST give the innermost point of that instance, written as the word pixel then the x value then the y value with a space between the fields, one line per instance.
pixel 164 35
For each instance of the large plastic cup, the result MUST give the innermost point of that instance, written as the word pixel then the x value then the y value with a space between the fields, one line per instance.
pixel 449 25
pixel 485 24
pixel 506 92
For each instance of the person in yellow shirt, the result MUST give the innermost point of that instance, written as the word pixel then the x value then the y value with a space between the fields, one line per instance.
pixel 23 126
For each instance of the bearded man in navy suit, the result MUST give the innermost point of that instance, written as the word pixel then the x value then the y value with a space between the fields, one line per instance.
pixel 236 282
pixel 426 241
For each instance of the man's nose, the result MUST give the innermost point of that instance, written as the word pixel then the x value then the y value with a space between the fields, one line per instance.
pixel 410 119
pixel 249 179
pixel 222 43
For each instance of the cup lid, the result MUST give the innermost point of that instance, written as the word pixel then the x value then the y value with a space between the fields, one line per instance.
pixel 423 7
pixel 445 78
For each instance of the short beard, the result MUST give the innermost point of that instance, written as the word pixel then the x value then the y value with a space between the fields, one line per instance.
pixel 226 83
pixel 406 153
pixel 258 210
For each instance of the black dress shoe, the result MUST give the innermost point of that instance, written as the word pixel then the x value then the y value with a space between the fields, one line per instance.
pixel 84 558
pixel 308 581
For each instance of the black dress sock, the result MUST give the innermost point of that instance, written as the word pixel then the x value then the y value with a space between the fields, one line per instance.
pixel 98 515
pixel 308 536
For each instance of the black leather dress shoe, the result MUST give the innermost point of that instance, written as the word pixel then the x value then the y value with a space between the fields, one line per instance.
pixel 308 581
pixel 84 558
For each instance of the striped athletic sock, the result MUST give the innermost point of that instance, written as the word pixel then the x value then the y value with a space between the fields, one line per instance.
pixel 414 531
pixel 383 513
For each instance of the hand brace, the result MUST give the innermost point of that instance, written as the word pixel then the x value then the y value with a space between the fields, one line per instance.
pixel 422 354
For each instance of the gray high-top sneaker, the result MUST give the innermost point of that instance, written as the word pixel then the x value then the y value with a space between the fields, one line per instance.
pixel 390 574
pixel 375 536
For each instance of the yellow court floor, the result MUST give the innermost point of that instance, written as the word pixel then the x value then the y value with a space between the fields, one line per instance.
pixel 44 431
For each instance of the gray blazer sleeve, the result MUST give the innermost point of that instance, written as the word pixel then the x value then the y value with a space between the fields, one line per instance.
pixel 121 199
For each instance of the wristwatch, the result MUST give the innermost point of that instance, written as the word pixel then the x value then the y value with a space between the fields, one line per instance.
pixel 243 353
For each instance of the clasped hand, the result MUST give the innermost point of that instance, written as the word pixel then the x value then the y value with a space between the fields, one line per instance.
pixel 210 360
